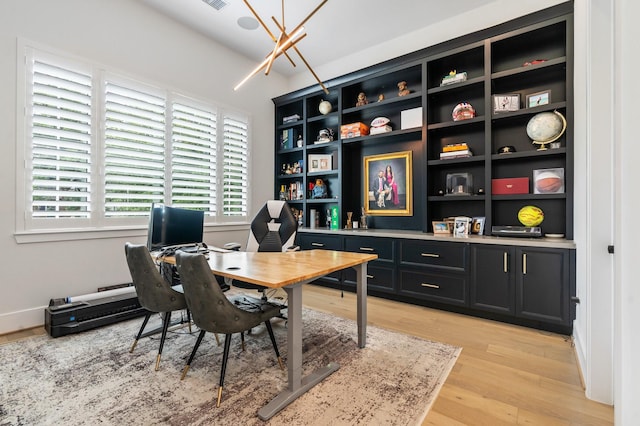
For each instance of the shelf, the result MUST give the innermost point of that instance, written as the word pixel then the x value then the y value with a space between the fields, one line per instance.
pixel 333 145
pixel 529 154
pixel 465 160
pixel 329 116
pixel 291 176
pixel 450 198
pixel 324 173
pixel 384 103
pixel 415 130
pixel 531 197
pixel 528 111
pixel 290 124
pixel 290 150
pixel 531 68
pixel 322 200
pixel 446 124
pixel 454 86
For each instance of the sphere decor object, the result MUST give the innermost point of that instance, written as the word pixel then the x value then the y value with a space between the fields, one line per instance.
pixel 463 111
pixel 546 127
pixel 325 107
pixel 531 216
pixel 548 183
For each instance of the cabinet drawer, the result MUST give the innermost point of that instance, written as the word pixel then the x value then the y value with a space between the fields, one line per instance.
pixel 451 255
pixel 383 247
pixel 451 289
pixel 378 277
pixel 319 241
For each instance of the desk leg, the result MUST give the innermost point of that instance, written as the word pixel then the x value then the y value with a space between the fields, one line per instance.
pixel 361 273
pixel 297 385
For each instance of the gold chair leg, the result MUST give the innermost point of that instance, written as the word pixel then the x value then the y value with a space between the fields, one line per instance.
pixel 158 362
pixel 281 363
pixel 217 338
pixel 184 371
pixel 219 396
pixel 135 342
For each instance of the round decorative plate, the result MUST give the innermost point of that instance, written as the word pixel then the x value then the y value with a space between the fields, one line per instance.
pixel 554 235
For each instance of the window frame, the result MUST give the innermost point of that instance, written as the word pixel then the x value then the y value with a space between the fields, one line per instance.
pixel 29 229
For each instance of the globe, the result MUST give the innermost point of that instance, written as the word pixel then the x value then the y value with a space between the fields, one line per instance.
pixel 546 127
pixel 325 107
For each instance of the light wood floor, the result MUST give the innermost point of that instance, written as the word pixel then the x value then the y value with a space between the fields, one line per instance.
pixel 505 374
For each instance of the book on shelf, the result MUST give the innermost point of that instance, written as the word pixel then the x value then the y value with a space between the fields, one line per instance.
pixel 455 147
pixel 286 140
pixel 456 154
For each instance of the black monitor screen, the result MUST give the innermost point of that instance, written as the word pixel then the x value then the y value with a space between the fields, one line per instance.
pixel 172 226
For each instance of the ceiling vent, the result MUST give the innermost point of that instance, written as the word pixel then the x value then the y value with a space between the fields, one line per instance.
pixel 216 4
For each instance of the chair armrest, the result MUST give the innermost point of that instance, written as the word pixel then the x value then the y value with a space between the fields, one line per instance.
pixel 292 248
pixel 232 246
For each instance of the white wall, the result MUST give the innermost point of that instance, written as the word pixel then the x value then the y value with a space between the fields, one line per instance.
pixel 127 36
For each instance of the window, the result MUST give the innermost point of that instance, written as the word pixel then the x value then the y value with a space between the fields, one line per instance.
pixel 100 149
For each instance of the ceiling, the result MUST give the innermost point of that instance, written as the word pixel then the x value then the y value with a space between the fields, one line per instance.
pixel 337 29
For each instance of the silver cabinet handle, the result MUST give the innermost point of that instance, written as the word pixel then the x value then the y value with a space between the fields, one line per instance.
pixel 430 285
pixel 366 249
pixel 429 255
pixel 505 261
pixel 524 263
pixel 317 244
pixel 369 276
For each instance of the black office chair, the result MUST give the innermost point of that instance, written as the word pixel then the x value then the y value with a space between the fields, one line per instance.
pixel 273 229
pixel 155 294
pixel 213 312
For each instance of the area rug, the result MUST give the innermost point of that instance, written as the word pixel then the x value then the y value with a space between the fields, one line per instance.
pixel 91 378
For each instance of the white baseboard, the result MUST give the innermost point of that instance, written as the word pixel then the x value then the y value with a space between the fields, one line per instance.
pixel 22 320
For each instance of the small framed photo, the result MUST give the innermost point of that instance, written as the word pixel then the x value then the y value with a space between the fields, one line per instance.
pixel 477 225
pixel 506 102
pixel 441 228
pixel 538 99
pixel 461 226
pixel 548 181
pixel 320 162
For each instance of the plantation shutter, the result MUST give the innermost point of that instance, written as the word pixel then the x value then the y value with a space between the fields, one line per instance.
pixel 134 150
pixel 235 165
pixel 60 142
pixel 193 158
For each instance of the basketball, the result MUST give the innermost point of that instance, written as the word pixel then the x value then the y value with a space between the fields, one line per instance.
pixel 547 182
pixel 530 216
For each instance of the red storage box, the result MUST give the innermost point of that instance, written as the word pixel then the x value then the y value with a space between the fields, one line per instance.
pixel 510 186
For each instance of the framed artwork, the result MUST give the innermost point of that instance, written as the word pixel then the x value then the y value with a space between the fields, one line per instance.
pixel 387 184
pixel 320 162
pixel 539 98
pixel 441 228
pixel 477 225
pixel 461 226
pixel 506 102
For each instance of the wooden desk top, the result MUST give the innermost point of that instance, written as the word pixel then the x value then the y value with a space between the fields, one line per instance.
pixel 277 270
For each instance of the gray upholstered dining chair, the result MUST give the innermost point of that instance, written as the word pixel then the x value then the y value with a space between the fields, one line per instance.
pixel 155 294
pixel 213 312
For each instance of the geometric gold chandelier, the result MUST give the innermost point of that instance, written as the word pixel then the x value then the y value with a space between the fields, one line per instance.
pixel 283 43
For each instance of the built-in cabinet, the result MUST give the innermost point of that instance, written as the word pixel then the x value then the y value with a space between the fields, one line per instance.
pixel 522 58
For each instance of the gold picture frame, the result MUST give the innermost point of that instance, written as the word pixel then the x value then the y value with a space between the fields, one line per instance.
pixel 441 228
pixel 387 184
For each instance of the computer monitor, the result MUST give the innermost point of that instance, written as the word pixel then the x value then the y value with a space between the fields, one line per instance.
pixel 173 226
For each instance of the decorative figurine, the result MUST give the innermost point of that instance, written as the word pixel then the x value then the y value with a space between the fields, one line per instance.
pixel 380 97
pixel 363 218
pixel 349 224
pixel 402 89
pixel 325 135
pixel 299 142
pixel 362 99
pixel 328 220
pixel 319 190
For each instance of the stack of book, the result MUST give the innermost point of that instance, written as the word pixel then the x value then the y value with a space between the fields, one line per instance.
pixel 458 150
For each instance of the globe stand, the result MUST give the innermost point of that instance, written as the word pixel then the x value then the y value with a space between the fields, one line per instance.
pixel 543 145
pixel 546 127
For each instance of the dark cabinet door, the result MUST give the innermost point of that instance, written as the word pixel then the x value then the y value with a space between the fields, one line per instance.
pixel 542 285
pixel 492 279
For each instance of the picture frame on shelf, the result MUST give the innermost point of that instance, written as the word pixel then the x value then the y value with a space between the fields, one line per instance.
pixel 441 228
pixel 320 162
pixel 387 184
pixel 507 102
pixel 461 227
pixel 538 99
pixel 477 225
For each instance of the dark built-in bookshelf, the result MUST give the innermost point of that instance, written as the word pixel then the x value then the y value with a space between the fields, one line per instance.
pixel 529 55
